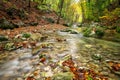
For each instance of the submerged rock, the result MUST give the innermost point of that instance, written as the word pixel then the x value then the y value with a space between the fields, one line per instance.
pixel 63 76
pixel 96 56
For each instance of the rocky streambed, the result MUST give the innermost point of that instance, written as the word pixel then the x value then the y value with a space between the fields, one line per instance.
pixel 61 56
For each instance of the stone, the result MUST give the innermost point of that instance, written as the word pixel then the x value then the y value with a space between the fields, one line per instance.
pixel 36 36
pixel 9 46
pixel 3 38
pixel 63 76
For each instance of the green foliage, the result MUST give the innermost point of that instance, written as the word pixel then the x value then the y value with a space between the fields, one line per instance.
pixel 26 35
pixel 43 7
pixel 89 78
pixel 22 13
pixel 99 33
pixel 87 32
pixel 118 29
pixel 116 12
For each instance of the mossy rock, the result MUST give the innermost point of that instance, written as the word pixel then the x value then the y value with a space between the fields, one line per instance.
pixel 3 38
pixel 100 33
pixel 9 46
pixel 50 20
pixel 33 23
pixel 70 31
pixel 36 36
pixel 73 32
pixel 11 11
pixel 96 56
pixel 63 76
pixel 67 24
pixel 5 24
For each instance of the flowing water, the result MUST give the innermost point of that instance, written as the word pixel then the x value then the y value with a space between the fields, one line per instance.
pixel 18 64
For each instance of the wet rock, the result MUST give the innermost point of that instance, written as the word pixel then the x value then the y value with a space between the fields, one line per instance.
pixel 88 46
pixel 36 36
pixel 43 38
pixel 71 31
pixel 19 79
pixel 19 24
pixel 25 56
pixel 63 76
pixel 9 46
pixel 97 56
pixel 5 24
pixel 33 23
pixel 18 36
pixel 67 57
pixel 104 73
pixel 36 50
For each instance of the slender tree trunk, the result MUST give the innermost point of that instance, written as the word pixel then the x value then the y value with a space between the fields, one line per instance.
pixel 60 7
pixel 29 5
pixel 83 12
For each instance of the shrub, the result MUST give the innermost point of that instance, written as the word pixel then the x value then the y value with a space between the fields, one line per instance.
pixel 87 32
pixel 22 14
pixel 99 33
pixel 118 29
pixel 4 24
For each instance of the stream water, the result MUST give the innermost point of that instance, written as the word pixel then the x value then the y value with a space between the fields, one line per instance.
pixel 18 64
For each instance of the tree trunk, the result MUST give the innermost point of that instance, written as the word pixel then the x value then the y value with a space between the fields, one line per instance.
pixel 29 5
pixel 60 7
pixel 83 12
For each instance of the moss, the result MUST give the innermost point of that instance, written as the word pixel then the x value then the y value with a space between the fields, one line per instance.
pixel 26 35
